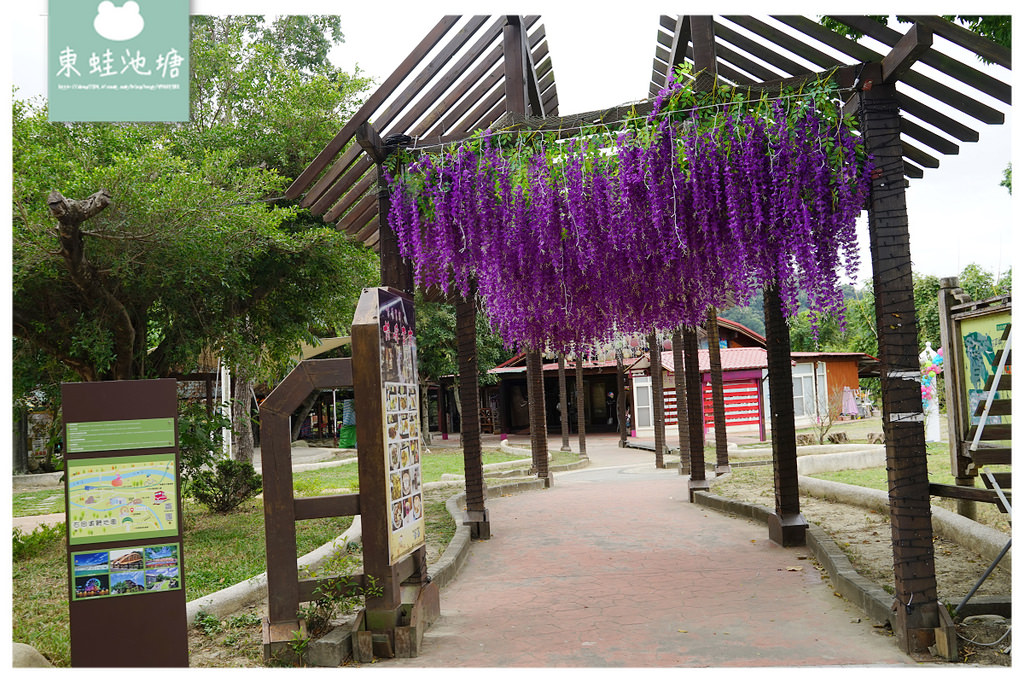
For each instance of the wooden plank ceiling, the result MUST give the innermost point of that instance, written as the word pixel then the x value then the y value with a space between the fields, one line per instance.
pixel 937 114
pixel 450 85
pixel 453 83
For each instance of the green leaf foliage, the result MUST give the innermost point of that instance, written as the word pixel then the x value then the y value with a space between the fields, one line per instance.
pixel 196 250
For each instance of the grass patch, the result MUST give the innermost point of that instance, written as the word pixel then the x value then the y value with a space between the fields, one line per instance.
pixel 346 477
pixel 220 550
pixel 39 502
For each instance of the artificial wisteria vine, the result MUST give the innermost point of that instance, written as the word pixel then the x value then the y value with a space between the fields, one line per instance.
pixel 569 242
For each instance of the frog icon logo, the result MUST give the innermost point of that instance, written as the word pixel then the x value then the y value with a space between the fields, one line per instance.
pixel 118 23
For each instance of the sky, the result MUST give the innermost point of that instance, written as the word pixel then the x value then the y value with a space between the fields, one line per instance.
pixel 602 57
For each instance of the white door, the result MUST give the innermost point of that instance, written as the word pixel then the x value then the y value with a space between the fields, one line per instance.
pixel 643 416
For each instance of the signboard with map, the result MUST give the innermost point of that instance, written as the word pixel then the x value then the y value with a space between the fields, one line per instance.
pixel 123 502
pixel 122 498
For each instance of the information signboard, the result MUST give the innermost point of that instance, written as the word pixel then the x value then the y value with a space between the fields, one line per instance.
pixel 980 341
pixel 401 420
pixel 123 502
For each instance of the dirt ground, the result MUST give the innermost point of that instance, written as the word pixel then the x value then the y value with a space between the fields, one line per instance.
pixel 863 534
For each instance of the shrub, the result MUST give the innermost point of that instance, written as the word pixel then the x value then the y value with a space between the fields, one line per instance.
pixel 223 488
pixel 26 545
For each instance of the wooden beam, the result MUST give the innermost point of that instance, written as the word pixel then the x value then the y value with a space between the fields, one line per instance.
pixel 759 50
pixel 677 52
pixel 515 65
pixel 934 140
pixel 361 174
pixel 967 39
pixel 928 86
pixel 905 53
pixel 372 103
pixel 918 156
pixel 949 66
pixel 370 142
pixel 936 118
pixel 398 104
pixel 705 57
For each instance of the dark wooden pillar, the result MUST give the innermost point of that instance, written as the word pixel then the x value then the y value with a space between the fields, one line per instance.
pixel 469 392
pixel 682 410
pixel 581 408
pixel 620 400
pixel 787 526
pixel 658 399
pixel 902 413
pixel 538 416
pixel 563 403
pixel 394 271
pixel 694 412
pixel 717 395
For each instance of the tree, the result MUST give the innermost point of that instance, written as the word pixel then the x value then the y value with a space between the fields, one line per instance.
pixel 437 353
pixel 174 241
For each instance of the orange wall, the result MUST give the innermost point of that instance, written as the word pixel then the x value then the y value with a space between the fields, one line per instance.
pixel 839 374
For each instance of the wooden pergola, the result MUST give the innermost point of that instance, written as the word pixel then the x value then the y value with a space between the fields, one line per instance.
pixel 472 73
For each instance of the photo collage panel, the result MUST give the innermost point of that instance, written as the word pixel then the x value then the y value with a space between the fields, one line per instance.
pixel 126 571
pixel 403 452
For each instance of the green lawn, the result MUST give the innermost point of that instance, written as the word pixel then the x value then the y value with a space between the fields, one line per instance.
pixel 219 550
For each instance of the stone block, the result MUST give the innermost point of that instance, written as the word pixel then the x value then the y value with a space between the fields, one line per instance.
pixel 333 649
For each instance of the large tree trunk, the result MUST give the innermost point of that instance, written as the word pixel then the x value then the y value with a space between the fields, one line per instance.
pixel 241 416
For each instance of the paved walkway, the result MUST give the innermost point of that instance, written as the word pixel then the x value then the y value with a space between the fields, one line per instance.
pixel 612 567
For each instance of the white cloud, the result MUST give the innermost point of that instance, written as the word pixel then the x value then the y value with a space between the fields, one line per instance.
pixel 118 23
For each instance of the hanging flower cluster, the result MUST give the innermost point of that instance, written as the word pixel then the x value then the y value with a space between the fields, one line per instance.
pixel 571 241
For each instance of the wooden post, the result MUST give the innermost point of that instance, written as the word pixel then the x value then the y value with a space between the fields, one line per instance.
pixel 563 403
pixel 694 412
pixel 469 390
pixel 581 408
pixel 394 271
pixel 949 295
pixel 902 413
pixel 658 389
pixel 786 526
pixel 538 416
pixel 717 395
pixel 620 400
pixel 682 409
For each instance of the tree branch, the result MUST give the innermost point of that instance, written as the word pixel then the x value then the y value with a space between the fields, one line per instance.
pixel 70 214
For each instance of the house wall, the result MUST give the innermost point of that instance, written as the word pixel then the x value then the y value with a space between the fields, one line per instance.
pixel 839 374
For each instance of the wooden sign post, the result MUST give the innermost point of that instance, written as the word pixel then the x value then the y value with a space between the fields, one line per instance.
pixel 400 600
pixel 126 593
pixel 390 480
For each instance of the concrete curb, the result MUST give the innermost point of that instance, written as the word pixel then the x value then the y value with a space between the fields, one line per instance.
pixel 979 538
